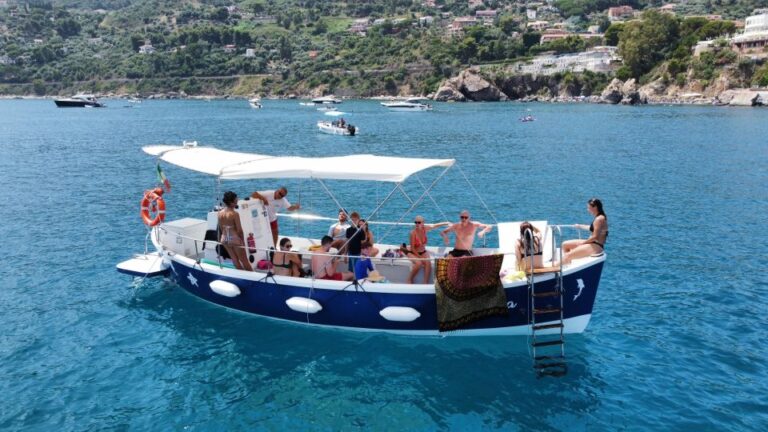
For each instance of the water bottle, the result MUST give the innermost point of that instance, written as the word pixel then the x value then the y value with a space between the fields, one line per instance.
pixel 251 243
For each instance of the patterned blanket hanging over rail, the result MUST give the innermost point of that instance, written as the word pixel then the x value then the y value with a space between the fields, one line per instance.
pixel 468 289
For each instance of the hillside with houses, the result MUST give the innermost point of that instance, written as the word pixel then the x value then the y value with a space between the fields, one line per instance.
pixel 284 48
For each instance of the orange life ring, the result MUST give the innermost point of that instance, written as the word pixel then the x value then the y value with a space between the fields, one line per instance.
pixel 153 200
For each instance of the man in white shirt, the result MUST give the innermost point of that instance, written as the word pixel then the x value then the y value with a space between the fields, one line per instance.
pixel 274 200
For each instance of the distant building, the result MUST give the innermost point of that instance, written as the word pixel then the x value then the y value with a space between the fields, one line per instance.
pixel 598 59
pixel 530 14
pixel 553 35
pixel 620 13
pixel 755 36
pixel 429 3
pixel 593 29
pixel 147 48
pixel 459 24
pixel 426 21
pixel 250 52
pixel 668 8
pixel 37 41
pixel 360 26
pixel 230 48
pixel 474 3
pixel 486 16
pixel 313 54
pixel 537 25
pixel 702 47
pixel 4 59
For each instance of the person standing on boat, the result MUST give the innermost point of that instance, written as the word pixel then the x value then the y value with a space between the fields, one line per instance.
pixel 274 200
pixel 324 264
pixel 232 232
pixel 355 238
pixel 465 235
pixel 418 252
pixel 595 243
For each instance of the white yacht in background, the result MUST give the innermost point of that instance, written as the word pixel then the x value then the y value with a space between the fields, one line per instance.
pixel 410 104
pixel 326 100
pixel 79 101
pixel 255 103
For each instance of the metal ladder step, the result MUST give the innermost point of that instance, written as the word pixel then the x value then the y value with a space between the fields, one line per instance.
pixel 550 365
pixel 548 343
pixel 546 310
pixel 547 294
pixel 547 326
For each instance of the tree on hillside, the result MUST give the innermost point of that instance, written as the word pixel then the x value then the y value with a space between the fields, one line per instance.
pixel 644 43
pixel 612 33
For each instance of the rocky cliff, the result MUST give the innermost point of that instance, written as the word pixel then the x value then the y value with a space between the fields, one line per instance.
pixel 475 85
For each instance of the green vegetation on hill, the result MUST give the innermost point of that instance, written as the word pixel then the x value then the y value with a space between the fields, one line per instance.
pixel 296 46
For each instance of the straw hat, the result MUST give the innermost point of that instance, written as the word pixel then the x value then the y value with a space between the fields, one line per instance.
pixel 375 276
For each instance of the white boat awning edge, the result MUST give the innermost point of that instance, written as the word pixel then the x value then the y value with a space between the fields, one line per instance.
pixel 229 165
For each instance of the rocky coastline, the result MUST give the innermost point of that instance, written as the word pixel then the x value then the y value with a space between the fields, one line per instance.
pixel 471 85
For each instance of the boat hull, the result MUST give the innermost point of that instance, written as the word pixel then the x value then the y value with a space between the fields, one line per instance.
pixel 63 103
pixel 351 307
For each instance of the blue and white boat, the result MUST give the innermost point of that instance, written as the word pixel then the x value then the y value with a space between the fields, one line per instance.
pixel 186 252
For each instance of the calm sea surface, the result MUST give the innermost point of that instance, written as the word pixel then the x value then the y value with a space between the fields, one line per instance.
pixel 677 340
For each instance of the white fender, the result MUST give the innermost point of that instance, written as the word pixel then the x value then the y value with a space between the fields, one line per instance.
pixel 399 313
pixel 303 305
pixel 226 289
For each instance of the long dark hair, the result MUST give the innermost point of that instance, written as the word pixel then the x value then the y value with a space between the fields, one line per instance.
pixel 594 202
pixel 229 198
pixel 528 237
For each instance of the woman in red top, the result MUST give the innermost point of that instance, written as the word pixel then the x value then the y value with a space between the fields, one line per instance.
pixel 418 252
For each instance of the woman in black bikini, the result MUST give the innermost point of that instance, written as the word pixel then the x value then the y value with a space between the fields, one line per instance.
pixel 595 243
pixel 529 245
pixel 286 263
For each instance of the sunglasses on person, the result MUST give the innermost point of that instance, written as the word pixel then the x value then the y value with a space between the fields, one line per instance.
pixel 464 217
pixel 417 222
pixel 288 246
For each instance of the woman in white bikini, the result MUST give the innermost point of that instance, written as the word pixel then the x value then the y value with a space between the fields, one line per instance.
pixel 232 232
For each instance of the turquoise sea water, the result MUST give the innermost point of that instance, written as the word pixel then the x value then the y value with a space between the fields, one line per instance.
pixel 676 342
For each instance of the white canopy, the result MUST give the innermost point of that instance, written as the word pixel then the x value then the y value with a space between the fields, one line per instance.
pixel 240 166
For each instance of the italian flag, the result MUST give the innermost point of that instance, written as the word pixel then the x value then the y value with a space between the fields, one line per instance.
pixel 163 179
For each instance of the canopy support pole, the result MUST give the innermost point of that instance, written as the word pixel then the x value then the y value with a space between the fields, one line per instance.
pixel 415 203
pixel 478 195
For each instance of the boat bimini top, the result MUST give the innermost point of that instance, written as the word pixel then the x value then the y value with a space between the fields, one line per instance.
pixel 229 165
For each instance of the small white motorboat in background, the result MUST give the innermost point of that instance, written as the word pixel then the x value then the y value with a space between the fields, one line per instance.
pixel 337 127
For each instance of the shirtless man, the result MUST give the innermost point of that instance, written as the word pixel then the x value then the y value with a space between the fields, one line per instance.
pixel 324 264
pixel 465 235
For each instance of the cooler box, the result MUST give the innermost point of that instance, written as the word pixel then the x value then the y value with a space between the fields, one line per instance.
pixel 179 236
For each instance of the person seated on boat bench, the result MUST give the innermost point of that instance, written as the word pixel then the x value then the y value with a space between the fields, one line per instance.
pixel 465 235
pixel 529 247
pixel 273 201
pixel 324 264
pixel 418 251
pixel 286 263
pixel 232 232
pixel 595 243
pixel 364 265
pixel 369 237
pixel 338 230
